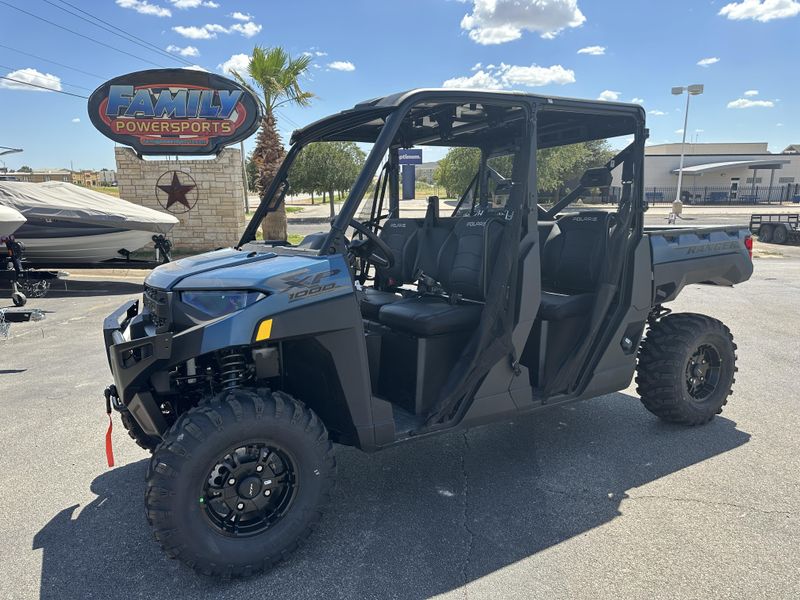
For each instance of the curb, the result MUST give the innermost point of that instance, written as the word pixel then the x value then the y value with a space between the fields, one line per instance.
pixel 308 220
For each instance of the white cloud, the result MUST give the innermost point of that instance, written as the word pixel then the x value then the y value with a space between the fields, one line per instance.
pixel 210 30
pixel 679 131
pixel 751 93
pixel 46 80
pixel 761 10
pixel 778 124
pixel 536 76
pixel 237 62
pixel 248 29
pixel 76 120
pixel 194 33
pixel 500 21
pixel 240 16
pixel 657 113
pixel 480 80
pixel 145 8
pixel 476 67
pixel 186 51
pixel 342 65
pixel 196 68
pixel 637 100
pixel 506 76
pixel 193 3
pixel 707 62
pixel 593 50
pixel 608 96
pixel 746 103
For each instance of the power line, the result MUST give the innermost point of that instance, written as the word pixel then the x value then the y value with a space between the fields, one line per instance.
pixel 41 87
pixel 86 37
pixel 128 37
pixel 62 65
pixel 12 69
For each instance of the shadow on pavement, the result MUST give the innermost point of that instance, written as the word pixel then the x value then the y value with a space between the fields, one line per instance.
pixel 412 521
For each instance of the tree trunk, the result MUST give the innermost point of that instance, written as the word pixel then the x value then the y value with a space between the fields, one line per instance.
pixel 333 208
pixel 268 156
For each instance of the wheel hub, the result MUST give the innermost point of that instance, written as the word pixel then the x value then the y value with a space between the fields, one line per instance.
pixel 703 372
pixel 249 489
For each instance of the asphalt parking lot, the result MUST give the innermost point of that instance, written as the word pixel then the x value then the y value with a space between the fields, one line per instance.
pixel 591 500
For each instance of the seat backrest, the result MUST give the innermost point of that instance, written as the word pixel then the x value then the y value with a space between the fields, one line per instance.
pixel 574 254
pixel 468 255
pixel 402 237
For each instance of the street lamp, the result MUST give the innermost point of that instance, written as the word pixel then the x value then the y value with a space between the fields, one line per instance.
pixel 693 90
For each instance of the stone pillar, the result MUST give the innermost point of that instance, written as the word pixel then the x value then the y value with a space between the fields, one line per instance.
pixel 217 216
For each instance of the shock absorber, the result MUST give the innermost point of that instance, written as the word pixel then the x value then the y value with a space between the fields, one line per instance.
pixel 233 368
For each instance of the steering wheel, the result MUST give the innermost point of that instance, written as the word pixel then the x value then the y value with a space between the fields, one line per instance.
pixel 373 249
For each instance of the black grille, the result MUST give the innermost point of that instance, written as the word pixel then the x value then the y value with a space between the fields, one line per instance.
pixel 156 307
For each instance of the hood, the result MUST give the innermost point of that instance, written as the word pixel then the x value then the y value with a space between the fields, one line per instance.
pixel 231 269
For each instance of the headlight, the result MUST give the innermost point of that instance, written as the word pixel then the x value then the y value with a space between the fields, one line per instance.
pixel 217 304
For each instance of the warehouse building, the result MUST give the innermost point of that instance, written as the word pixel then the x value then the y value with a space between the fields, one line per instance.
pixel 741 173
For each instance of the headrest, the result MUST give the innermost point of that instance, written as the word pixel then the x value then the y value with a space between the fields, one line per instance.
pixel 586 219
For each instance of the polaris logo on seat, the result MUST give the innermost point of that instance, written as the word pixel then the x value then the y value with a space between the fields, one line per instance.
pixel 394 225
pixel 582 219
pixel 476 224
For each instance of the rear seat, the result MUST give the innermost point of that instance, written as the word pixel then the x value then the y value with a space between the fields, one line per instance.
pixel 573 258
pixel 462 266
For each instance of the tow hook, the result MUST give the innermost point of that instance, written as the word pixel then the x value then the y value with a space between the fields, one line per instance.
pixel 110 394
pixel 112 399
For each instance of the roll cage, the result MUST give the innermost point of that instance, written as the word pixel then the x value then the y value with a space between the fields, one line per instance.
pixel 482 119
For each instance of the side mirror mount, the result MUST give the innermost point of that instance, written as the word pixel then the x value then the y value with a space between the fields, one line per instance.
pixel 596 177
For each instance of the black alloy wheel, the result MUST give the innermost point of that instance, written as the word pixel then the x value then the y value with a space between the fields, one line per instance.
pixel 249 489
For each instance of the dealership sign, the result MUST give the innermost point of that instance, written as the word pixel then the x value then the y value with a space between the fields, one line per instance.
pixel 174 111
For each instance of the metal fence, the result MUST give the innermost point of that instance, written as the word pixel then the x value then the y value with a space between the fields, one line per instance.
pixel 698 195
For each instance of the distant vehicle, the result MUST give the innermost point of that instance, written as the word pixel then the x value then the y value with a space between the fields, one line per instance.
pixel 776 228
pixel 240 367
pixel 70 224
pixel 6 177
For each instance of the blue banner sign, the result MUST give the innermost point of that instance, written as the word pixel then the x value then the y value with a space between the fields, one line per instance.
pixel 410 157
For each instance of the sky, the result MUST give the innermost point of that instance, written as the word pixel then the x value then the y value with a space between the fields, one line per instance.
pixel 744 52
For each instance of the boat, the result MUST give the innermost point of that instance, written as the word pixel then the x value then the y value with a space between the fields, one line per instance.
pixel 10 221
pixel 71 225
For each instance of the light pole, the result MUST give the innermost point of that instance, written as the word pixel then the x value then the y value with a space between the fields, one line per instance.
pixel 692 90
pixel 6 150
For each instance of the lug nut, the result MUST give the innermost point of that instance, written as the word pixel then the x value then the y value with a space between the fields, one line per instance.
pixel 259 468
pixel 240 506
pixel 231 481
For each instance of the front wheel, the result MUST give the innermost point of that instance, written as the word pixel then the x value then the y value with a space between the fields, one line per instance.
pixel 686 368
pixel 239 482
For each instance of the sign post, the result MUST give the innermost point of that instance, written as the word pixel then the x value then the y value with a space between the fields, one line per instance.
pixel 408 158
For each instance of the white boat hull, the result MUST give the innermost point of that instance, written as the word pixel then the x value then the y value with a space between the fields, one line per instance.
pixel 83 248
pixel 10 220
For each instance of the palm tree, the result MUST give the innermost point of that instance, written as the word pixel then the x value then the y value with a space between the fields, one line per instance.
pixel 277 75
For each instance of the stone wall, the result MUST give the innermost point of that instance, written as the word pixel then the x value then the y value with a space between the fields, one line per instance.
pixel 216 220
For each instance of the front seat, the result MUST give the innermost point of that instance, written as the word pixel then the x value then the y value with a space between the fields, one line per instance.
pixel 402 237
pixel 464 263
pixel 573 259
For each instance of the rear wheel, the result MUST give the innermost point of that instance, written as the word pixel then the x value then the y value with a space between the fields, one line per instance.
pixel 239 482
pixel 765 234
pixel 686 368
pixel 780 234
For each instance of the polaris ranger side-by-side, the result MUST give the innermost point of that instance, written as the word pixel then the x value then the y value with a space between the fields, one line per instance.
pixel 241 367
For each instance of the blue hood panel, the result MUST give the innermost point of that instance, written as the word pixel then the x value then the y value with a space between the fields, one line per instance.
pixel 231 269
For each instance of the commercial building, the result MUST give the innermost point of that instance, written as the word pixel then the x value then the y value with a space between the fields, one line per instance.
pixel 42 176
pixel 739 173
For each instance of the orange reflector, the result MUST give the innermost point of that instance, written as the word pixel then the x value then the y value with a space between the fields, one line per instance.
pixel 264 330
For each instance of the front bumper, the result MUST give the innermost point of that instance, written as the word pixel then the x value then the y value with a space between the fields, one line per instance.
pixel 135 354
